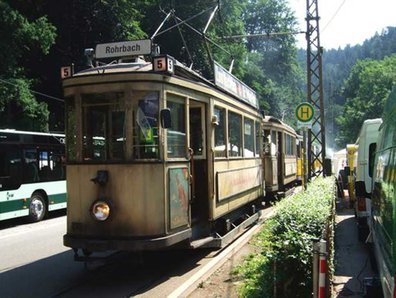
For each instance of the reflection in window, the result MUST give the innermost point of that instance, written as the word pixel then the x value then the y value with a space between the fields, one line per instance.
pixel 145 141
pixel 176 134
pixel 248 133
pixel 220 148
pixel 234 134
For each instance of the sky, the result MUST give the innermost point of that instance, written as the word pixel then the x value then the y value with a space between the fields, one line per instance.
pixel 344 22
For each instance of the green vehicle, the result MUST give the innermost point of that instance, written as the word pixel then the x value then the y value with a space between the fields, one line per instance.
pixel 383 226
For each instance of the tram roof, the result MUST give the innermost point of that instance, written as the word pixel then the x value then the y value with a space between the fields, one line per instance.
pixel 139 65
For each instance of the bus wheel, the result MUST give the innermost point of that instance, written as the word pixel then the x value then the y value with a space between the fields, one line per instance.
pixel 37 207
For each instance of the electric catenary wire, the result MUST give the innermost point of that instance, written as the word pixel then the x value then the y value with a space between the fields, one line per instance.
pixel 35 92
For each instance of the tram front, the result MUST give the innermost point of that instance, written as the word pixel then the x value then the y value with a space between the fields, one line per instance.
pixel 121 193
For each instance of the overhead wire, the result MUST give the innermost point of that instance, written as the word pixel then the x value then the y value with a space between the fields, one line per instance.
pixel 333 16
pixel 35 92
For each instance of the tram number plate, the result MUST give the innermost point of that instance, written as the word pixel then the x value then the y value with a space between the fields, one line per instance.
pixel 164 63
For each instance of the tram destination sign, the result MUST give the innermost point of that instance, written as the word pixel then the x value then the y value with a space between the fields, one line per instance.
pixel 226 81
pixel 123 49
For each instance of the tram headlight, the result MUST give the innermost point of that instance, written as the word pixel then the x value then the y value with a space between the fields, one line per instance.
pixel 100 210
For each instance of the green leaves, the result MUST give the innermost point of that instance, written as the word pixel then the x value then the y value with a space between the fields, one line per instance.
pixel 285 244
pixel 366 89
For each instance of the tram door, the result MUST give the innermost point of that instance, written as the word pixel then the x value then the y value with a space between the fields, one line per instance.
pixel 198 162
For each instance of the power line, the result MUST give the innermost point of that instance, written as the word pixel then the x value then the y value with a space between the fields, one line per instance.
pixel 36 92
pixel 334 15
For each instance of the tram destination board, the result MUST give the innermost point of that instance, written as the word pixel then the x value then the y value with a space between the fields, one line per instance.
pixel 123 49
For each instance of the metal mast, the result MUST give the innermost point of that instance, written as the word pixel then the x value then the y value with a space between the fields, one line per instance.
pixel 316 135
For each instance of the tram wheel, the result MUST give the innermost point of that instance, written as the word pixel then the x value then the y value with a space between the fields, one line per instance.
pixel 37 207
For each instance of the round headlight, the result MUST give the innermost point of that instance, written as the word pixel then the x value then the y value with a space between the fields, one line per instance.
pixel 101 210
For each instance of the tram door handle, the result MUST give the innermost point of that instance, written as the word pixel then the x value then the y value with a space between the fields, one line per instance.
pixel 191 158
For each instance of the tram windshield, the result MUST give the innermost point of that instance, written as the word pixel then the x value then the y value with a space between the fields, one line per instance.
pixel 116 126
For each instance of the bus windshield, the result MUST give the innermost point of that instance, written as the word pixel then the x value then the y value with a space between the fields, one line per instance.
pixel 116 126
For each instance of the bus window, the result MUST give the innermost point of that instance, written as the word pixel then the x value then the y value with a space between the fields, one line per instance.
pixel 176 134
pixel 10 168
pixel 234 134
pixel 31 171
pixel 220 148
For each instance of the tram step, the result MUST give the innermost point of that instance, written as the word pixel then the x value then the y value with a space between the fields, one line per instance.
pixel 201 242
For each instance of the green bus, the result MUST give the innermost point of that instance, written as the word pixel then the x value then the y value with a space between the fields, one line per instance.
pixel 32 174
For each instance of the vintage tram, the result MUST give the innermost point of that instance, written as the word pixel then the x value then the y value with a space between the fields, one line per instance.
pixel 280 155
pixel 158 156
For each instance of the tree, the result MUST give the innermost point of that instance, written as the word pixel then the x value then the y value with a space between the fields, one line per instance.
pixel 21 40
pixel 365 90
pixel 281 74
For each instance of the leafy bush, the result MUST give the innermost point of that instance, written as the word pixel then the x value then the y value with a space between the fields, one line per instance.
pixel 284 266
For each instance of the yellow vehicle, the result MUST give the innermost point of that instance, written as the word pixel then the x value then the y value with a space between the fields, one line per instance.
pixel 158 156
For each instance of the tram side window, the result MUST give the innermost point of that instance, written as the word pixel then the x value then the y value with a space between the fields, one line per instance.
pixel 219 133
pixel 145 141
pixel 234 134
pixel 176 134
pixel 10 168
pixel 289 145
pixel 274 143
pixel 248 138
pixel 267 142
pixel 257 148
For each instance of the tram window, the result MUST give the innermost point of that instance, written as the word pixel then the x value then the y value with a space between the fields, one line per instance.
pixel 289 145
pixel 103 114
pixel 196 133
pixel 145 142
pixel 273 143
pixel 71 127
pixel 234 134
pixel 248 131
pixel 257 148
pixel 176 134
pixel 219 133
pixel 267 142
pixel 117 120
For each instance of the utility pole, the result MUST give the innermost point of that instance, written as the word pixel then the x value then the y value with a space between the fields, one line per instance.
pixel 316 135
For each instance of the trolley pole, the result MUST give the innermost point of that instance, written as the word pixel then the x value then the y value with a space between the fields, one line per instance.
pixel 316 134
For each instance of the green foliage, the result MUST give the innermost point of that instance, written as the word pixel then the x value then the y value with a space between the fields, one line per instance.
pixel 366 89
pixel 337 66
pixel 285 242
pixel 21 41
pixel 276 75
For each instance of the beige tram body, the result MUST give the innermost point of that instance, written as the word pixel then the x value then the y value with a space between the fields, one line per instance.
pixel 280 155
pixel 146 209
